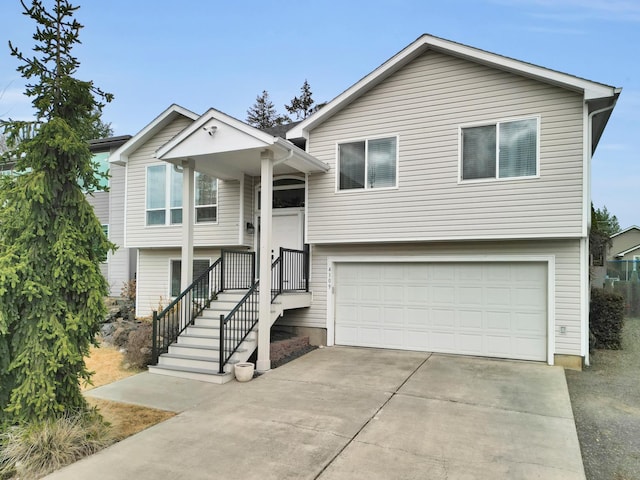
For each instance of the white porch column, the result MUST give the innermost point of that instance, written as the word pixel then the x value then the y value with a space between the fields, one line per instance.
pixel 264 322
pixel 188 193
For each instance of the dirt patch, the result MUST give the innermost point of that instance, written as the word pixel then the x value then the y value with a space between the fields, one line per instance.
pixel 606 404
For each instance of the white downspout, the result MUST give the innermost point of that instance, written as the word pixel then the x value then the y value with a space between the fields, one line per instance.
pixel 584 250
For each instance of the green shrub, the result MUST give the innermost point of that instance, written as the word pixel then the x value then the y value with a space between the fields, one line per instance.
pixel 139 345
pixel 606 318
pixel 33 450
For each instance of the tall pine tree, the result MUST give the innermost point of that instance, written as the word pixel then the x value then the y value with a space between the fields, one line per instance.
pixel 304 105
pixel 262 114
pixel 51 242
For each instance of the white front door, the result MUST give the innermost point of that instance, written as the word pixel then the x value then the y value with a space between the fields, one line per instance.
pixel 287 230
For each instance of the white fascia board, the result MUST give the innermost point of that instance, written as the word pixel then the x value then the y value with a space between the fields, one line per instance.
pixel 629 250
pixel 203 120
pixel 314 165
pixel 632 227
pixel 590 90
pixel 121 155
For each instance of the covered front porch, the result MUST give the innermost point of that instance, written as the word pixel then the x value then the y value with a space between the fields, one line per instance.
pixel 222 147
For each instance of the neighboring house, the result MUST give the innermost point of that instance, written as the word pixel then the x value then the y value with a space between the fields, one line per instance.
pixel 109 207
pixel 445 199
pixel 624 254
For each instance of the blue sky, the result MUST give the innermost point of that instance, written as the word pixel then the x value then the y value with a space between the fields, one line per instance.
pixel 222 54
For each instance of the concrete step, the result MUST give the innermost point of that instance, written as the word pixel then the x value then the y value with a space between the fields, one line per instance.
pixel 206 351
pixel 206 340
pixel 189 361
pixel 194 374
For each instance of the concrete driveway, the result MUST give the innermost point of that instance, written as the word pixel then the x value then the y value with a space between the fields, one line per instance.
pixel 352 413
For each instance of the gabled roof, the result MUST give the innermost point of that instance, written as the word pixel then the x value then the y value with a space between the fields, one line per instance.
pixel 121 155
pixel 628 250
pixel 590 90
pixel 632 227
pixel 230 147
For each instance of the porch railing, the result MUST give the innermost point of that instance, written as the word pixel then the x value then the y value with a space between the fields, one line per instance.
pixel 289 273
pixel 233 270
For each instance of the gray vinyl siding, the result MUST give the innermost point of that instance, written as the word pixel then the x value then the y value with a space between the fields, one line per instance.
pixel 119 261
pixel 139 235
pixel 567 277
pixel 100 203
pixel 153 277
pixel 424 105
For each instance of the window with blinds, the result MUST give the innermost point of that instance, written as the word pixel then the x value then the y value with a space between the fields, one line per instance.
pixel 500 150
pixel 367 164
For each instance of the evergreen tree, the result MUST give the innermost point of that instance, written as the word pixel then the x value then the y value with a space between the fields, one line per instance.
pixel 262 114
pixel 604 221
pixel 304 105
pixel 51 242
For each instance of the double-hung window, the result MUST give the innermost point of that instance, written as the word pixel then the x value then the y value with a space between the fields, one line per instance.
pixel 500 150
pixel 164 196
pixel 367 164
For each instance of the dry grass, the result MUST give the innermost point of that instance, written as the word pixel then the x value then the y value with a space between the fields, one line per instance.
pixel 107 363
pixel 126 419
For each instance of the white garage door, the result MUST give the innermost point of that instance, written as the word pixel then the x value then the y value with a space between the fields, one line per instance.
pixel 487 309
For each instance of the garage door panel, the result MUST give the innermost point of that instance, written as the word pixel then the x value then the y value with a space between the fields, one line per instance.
pixel 469 296
pixel 532 323
pixel 469 344
pixel 498 320
pixel 443 318
pixel 470 319
pixel 497 297
pixel 491 309
pixel 529 297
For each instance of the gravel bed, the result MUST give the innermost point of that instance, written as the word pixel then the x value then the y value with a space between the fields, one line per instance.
pixel 606 404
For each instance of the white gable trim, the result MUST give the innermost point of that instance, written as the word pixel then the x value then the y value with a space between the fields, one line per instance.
pixel 590 90
pixel 632 227
pixel 121 155
pixel 629 250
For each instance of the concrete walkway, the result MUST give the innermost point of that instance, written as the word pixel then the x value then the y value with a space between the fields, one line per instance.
pixel 350 413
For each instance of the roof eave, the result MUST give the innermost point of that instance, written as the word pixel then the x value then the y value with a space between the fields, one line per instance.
pixel 589 89
pixel 121 155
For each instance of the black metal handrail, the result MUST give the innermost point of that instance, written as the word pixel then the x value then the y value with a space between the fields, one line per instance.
pixel 236 326
pixel 289 273
pixel 233 270
pixel 180 313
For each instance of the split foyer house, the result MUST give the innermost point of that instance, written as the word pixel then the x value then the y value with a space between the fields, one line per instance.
pixel 441 203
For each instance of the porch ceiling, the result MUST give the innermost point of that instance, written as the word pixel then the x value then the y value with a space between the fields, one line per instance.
pixel 227 148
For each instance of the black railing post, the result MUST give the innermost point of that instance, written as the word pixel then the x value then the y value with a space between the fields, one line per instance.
pixel 221 352
pixel 281 279
pixel 307 266
pixel 222 271
pixel 253 268
pixel 154 342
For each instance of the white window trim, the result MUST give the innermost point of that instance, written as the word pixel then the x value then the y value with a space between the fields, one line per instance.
pixel 168 208
pixel 195 205
pixel 167 202
pixel 496 122
pixel 169 270
pixel 366 170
